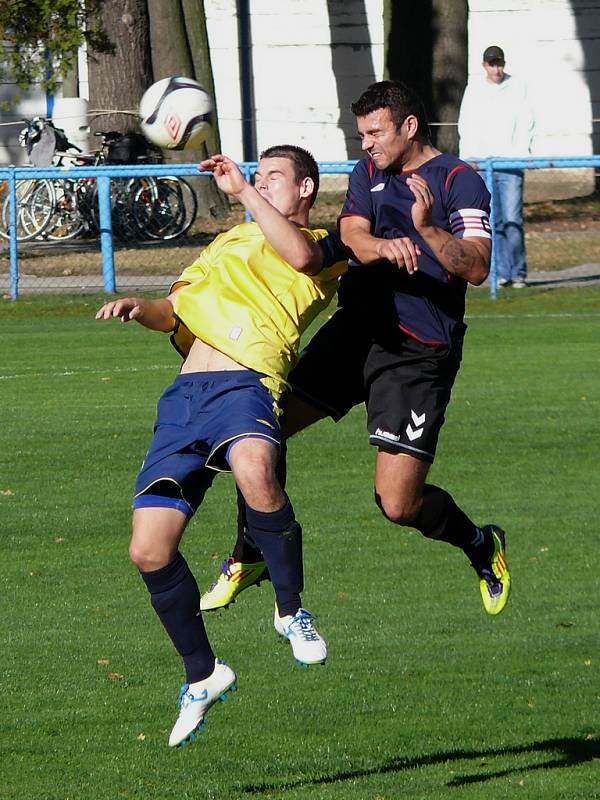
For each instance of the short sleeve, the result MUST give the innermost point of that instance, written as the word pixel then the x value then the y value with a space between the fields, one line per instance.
pixel 468 204
pixel 358 197
pixel 335 258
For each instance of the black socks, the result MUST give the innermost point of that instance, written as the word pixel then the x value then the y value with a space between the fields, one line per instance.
pixel 440 518
pixel 176 599
pixel 279 537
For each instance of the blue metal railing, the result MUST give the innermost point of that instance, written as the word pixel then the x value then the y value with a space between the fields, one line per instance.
pixel 104 174
pixel 489 165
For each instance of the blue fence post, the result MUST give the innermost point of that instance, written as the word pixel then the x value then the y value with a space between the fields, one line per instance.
pixel 489 179
pixel 12 234
pixel 246 170
pixel 106 239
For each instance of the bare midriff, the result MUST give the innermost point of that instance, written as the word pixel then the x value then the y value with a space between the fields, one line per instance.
pixel 204 358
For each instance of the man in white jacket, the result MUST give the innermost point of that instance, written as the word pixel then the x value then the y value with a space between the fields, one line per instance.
pixel 496 119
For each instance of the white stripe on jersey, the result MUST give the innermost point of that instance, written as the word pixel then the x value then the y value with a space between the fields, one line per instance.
pixel 470 222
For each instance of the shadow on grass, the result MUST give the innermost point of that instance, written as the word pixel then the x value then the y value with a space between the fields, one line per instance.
pixel 561 753
pixel 573 280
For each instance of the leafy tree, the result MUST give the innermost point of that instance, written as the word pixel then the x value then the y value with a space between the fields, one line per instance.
pixel 39 39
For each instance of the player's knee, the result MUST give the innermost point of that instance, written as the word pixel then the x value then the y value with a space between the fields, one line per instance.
pixel 147 558
pixel 258 484
pixel 399 510
pixel 140 557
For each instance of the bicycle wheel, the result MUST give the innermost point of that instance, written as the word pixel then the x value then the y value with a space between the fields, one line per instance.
pixel 124 223
pixel 165 207
pixel 66 222
pixel 187 200
pixel 35 206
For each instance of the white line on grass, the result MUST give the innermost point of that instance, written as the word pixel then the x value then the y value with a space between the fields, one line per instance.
pixel 69 373
pixel 533 316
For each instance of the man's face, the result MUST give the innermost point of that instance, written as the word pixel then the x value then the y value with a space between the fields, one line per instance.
pixel 386 144
pixel 275 180
pixel 494 71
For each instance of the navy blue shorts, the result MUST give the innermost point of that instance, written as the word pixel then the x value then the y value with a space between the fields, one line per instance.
pixel 198 418
pixel 405 384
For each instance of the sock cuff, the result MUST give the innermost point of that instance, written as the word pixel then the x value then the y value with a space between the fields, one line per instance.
pixel 165 578
pixel 271 521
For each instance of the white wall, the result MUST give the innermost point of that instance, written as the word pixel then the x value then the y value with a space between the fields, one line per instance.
pixel 305 66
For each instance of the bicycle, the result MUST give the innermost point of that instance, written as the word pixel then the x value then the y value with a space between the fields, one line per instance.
pixel 163 207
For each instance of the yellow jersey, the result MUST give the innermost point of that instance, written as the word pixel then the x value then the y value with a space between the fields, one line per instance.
pixel 242 298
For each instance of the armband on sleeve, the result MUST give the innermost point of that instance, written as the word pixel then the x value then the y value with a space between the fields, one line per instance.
pixel 332 250
pixel 468 222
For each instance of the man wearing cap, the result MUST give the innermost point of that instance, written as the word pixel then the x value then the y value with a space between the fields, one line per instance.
pixel 496 119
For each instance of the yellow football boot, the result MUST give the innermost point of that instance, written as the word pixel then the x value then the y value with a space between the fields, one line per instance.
pixel 494 576
pixel 234 578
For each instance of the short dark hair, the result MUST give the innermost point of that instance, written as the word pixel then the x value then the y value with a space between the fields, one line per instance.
pixel 304 163
pixel 401 100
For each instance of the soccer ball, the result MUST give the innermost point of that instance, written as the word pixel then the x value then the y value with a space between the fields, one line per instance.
pixel 176 113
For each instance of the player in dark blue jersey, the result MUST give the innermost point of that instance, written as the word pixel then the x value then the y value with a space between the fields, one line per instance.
pixel 415 222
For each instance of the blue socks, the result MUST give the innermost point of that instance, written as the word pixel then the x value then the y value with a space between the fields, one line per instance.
pixel 175 597
pixel 279 537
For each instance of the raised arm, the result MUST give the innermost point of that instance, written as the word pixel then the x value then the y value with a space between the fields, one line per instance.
pixel 467 258
pixel 282 233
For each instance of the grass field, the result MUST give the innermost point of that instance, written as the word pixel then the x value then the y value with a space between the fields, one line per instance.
pixel 423 696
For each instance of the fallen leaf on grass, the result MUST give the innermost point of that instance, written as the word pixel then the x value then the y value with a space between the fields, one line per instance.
pixel 6 492
pixel 142 737
pixel 115 676
pixel 58 539
pixel 103 662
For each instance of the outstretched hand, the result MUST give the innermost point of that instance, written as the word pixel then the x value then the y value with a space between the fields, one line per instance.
pixel 227 174
pixel 424 200
pixel 127 308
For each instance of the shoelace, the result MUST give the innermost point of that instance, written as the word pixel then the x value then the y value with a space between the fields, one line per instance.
pixel 225 569
pixel 185 693
pixel 304 627
pixel 226 566
pixel 182 693
pixel 493 584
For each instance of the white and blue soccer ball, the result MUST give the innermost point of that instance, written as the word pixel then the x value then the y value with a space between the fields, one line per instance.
pixel 176 113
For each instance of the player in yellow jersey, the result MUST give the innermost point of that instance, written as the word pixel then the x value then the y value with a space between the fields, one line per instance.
pixel 236 316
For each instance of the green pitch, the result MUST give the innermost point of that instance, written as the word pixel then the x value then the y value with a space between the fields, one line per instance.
pixel 423 696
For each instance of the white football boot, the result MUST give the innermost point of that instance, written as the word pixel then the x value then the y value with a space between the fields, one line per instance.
pixel 195 699
pixel 308 646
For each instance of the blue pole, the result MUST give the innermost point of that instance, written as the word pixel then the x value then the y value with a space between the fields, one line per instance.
pixel 106 240
pixel 247 171
pixel 49 94
pixel 12 233
pixel 489 179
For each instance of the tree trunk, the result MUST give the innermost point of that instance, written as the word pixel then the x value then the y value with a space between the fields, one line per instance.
pixel 449 60
pixel 70 83
pixel 427 49
pixel 118 80
pixel 179 43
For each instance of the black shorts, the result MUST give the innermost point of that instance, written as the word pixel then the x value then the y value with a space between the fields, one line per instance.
pixel 405 384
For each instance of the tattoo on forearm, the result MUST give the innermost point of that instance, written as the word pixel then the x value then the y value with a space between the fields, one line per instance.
pixel 460 259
